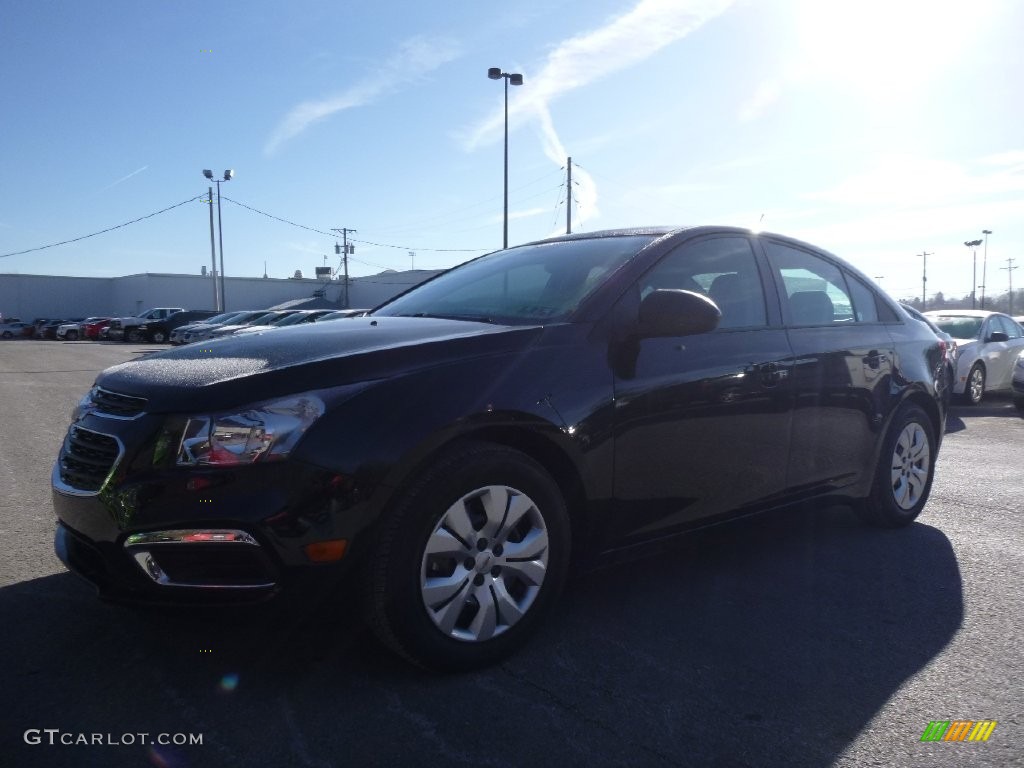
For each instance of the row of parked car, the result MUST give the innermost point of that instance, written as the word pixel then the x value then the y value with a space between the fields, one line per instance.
pixel 984 351
pixel 162 324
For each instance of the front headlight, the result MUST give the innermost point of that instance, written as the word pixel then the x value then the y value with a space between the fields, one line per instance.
pixel 263 432
pixel 84 407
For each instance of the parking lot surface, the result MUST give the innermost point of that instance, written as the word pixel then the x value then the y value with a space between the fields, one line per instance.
pixel 795 639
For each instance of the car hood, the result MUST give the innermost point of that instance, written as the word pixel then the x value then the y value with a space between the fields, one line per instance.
pixel 236 370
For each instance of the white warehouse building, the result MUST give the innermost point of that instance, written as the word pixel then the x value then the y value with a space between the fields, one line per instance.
pixel 31 296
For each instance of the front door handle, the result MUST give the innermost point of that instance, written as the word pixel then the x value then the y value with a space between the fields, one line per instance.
pixel 770 374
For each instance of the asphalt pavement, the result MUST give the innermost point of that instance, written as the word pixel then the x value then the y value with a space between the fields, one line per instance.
pixel 799 638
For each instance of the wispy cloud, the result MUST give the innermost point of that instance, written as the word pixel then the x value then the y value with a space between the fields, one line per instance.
pixel 766 95
pixel 622 42
pixel 124 178
pixel 415 57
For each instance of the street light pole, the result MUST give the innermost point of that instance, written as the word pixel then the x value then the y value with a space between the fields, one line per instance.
pixel 213 254
pixel 495 73
pixel 984 266
pixel 973 245
pixel 228 175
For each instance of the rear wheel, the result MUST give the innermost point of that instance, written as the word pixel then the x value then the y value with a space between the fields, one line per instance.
pixel 975 389
pixel 134 335
pixel 158 337
pixel 7 334
pixel 469 560
pixel 71 336
pixel 903 477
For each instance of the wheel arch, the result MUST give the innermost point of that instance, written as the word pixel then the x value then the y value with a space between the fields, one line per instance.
pixel 554 458
pixel 925 402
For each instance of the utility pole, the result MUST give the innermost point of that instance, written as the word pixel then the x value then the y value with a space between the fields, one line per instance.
pixel 1009 274
pixel 345 249
pixel 568 197
pixel 213 254
pixel 924 279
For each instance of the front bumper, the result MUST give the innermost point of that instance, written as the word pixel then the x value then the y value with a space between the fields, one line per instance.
pixel 149 531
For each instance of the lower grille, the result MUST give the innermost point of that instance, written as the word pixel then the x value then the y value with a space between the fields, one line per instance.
pixel 87 458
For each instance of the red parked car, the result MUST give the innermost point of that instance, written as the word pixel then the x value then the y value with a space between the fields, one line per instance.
pixel 91 330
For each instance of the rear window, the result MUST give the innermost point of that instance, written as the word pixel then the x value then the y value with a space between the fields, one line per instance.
pixel 959 327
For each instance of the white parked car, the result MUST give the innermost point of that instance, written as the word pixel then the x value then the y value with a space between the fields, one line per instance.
pixel 988 344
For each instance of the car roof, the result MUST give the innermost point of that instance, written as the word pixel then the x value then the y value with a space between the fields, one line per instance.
pixel 961 313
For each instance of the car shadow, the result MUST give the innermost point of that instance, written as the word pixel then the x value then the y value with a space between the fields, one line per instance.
pixel 772 641
pixel 998 404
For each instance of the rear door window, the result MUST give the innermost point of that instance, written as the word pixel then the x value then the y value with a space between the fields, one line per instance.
pixel 814 290
pixel 865 306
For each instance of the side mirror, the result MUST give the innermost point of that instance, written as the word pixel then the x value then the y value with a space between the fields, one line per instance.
pixel 997 336
pixel 674 312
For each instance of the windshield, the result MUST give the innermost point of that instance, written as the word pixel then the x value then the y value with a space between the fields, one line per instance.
pixel 531 284
pixel 223 318
pixel 298 317
pixel 960 327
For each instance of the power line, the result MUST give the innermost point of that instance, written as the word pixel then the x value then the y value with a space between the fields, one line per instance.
pixel 102 231
pixel 365 242
pixel 278 218
pixel 414 248
pixel 447 215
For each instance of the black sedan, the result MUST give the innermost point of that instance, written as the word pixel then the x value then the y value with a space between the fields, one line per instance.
pixel 573 398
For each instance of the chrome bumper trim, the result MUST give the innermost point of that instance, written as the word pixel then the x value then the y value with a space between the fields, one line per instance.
pixel 137 546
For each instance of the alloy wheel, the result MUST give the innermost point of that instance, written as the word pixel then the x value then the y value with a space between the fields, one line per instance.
pixel 484 563
pixel 976 384
pixel 910 465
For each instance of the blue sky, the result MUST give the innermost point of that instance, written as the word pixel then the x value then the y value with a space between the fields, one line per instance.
pixel 875 129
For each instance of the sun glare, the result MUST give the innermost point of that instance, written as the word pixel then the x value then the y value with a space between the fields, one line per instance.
pixel 883 46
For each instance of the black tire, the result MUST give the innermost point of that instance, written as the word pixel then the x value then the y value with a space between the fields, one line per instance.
pixel 71 336
pixel 906 467
pixel 456 490
pixel 974 389
pixel 8 335
pixel 1019 402
pixel 133 335
pixel 158 337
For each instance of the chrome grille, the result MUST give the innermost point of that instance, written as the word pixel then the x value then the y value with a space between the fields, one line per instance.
pixel 114 404
pixel 87 458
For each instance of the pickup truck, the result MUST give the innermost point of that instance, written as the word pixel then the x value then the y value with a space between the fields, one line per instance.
pixel 127 328
pixel 159 331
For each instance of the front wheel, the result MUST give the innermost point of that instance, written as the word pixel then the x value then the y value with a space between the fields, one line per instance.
pixel 158 337
pixel 975 389
pixel 134 335
pixel 71 336
pixel 903 477
pixel 7 334
pixel 469 560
